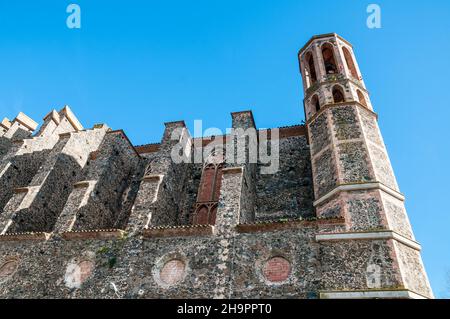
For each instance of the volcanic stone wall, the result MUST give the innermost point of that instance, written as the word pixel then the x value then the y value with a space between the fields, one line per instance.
pixel 88 215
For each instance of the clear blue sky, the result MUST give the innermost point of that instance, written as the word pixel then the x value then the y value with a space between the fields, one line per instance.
pixel 136 64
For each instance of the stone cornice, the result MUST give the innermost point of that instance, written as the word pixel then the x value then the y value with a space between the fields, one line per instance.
pixel 359 186
pixel 72 118
pixel 369 235
pixel 371 294
pixel 26 121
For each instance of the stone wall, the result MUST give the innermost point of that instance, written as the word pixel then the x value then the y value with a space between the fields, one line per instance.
pixel 88 215
pixel 288 192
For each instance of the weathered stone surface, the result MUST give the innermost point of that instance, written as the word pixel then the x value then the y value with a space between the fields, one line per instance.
pixel 287 193
pixel 319 133
pixel 325 173
pixel 354 162
pixel 85 214
pixel 345 122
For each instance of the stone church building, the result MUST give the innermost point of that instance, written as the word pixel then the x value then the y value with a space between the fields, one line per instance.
pixel 85 214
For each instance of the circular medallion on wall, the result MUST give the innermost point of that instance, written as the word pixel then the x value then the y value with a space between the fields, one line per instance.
pixel 170 270
pixel 276 269
pixel 8 268
pixel 78 272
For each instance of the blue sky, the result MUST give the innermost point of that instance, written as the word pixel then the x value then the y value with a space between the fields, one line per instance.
pixel 137 64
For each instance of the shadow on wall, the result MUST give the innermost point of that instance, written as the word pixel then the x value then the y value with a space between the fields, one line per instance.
pixel 19 173
pixel 47 205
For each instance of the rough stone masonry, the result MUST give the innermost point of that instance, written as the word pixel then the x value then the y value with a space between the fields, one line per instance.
pixel 85 214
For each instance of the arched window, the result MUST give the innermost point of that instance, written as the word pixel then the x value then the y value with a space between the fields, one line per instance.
pixel 311 68
pixel 328 59
pixel 350 64
pixel 338 94
pixel 315 103
pixel 361 98
pixel 209 190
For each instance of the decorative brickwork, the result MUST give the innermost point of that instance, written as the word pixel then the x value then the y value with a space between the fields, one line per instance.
pixel 8 268
pixel 172 272
pixel 277 269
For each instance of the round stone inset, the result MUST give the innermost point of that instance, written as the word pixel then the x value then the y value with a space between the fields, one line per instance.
pixel 172 271
pixel 8 268
pixel 277 269
pixel 78 273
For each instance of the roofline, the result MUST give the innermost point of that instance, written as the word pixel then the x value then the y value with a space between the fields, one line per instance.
pixel 320 36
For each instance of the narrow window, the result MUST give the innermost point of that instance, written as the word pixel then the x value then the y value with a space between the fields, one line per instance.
pixel 311 67
pixel 361 98
pixel 349 61
pixel 202 215
pixel 328 59
pixel 209 190
pixel 207 183
pixel 338 94
pixel 315 103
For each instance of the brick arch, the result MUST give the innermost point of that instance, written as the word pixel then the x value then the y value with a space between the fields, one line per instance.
pixel 361 98
pixel 329 59
pixel 350 64
pixel 209 190
pixel 310 68
pixel 201 215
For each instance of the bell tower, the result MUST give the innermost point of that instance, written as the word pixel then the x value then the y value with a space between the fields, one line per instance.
pixel 352 173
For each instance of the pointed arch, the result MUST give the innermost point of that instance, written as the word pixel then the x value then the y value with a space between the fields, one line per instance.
pixel 361 98
pixel 202 215
pixel 338 94
pixel 329 59
pixel 350 63
pixel 209 189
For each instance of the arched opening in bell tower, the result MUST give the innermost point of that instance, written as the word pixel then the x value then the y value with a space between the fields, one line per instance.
pixel 338 94
pixel 311 68
pixel 350 64
pixel 361 98
pixel 328 59
pixel 315 103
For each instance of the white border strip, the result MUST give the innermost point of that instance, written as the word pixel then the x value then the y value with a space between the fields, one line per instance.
pixel 356 187
pixel 386 294
pixel 369 235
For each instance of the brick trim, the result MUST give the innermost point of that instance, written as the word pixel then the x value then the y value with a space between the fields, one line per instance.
pixel 148 148
pixel 321 36
pixel 100 234
pixel 178 231
pixel 25 236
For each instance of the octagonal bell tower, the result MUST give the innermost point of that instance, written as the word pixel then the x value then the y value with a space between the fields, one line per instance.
pixel 353 176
